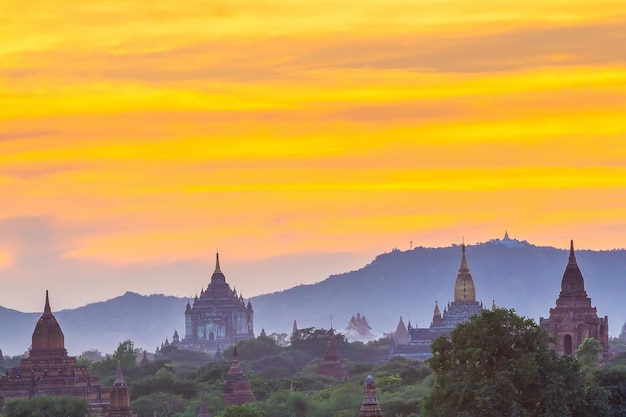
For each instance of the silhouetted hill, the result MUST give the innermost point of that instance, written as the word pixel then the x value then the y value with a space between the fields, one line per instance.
pixel 400 283
pixel 406 283
pixel 146 320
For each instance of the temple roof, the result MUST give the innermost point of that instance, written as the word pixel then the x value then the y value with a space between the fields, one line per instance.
pixel 464 290
pixel 572 277
pixel 218 295
pixel 217 276
pixel 48 339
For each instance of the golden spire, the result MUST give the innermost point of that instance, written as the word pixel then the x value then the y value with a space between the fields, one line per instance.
pixel 464 290
pixel 463 267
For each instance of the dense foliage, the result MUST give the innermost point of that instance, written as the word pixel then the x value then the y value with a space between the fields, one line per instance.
pixel 47 406
pixel 500 364
pixel 496 364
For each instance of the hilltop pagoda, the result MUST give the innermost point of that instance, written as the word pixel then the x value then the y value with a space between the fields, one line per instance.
pixel 48 370
pixel 574 319
pixel 218 318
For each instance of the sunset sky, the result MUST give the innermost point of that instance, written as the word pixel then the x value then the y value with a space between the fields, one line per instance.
pixel 298 138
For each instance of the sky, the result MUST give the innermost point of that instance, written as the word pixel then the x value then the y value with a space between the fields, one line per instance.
pixel 299 139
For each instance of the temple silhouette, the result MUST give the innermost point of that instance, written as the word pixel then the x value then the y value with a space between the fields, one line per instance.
pixel 219 318
pixel 417 345
pixel 574 319
pixel 48 370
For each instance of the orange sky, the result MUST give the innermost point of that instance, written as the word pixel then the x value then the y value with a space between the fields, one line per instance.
pixel 299 138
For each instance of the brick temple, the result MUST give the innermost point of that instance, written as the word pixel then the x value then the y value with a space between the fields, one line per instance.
pixel 574 319
pixel 217 319
pixel 332 365
pixel 236 389
pixel 48 370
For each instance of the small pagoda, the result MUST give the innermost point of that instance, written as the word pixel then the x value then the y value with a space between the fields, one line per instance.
pixel 120 398
pixel 370 406
pixel 332 365
pixel 236 389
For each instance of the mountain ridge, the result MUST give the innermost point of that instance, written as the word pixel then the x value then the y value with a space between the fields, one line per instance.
pixel 515 273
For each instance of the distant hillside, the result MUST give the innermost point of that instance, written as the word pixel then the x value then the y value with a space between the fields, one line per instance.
pixel 400 283
pixel 146 320
pixel 406 283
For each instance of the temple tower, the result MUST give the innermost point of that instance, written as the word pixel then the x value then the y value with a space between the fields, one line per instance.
pixel 236 388
pixel 370 406
pixel 332 365
pixel 401 336
pixel 120 399
pixel 464 290
pixel 218 317
pixel 48 370
pixel 574 319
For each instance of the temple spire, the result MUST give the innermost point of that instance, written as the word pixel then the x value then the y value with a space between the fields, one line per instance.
pixel 464 267
pixel 572 255
pixel 46 310
pixel 119 377
pixel 217 262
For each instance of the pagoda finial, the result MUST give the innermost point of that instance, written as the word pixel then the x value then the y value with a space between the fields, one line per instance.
pixel 572 256
pixel 119 377
pixel 464 266
pixel 217 262
pixel 46 309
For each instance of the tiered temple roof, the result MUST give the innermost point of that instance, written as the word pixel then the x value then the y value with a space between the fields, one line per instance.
pixel 218 318
pixel 236 388
pixel 574 319
pixel 48 370
pixel 359 330
pixel 458 311
pixel 332 364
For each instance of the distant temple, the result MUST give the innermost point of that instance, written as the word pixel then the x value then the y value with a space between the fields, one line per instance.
pixel 218 318
pixel 400 336
pixel 359 330
pixel 574 319
pixel 332 364
pixel 120 399
pixel 370 406
pixel 49 370
pixel 458 311
pixel 236 389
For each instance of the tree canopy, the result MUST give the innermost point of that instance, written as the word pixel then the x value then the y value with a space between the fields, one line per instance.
pixel 500 364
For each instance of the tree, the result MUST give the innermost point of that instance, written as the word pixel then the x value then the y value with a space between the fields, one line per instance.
pixel 613 380
pixel 126 354
pixel 588 353
pixel 245 410
pixel 47 406
pixel 500 364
